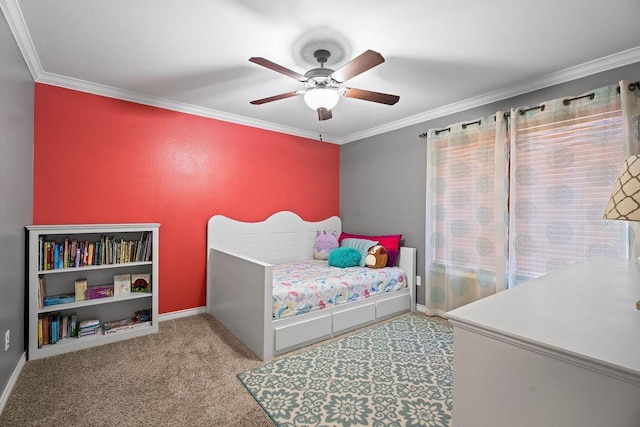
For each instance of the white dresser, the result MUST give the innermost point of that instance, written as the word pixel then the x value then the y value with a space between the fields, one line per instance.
pixel 562 350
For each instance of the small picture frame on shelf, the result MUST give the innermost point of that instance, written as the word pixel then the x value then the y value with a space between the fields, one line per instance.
pixel 121 284
pixel 141 283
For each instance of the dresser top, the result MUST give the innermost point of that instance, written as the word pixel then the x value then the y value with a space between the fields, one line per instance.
pixel 587 310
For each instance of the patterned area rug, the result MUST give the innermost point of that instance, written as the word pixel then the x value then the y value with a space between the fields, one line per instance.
pixel 396 374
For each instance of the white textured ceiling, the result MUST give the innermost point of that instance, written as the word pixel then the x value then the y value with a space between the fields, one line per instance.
pixel 441 56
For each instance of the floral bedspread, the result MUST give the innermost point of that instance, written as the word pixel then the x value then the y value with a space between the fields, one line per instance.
pixel 310 285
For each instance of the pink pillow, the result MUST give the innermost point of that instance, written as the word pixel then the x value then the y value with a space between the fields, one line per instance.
pixel 390 242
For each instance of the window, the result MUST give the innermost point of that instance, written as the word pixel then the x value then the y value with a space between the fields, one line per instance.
pixel 564 164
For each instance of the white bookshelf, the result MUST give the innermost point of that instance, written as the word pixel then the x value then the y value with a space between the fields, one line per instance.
pixel 62 280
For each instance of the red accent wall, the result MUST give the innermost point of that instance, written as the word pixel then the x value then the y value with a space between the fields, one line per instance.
pixel 101 160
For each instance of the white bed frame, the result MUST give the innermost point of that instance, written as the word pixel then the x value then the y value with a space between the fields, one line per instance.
pixel 240 259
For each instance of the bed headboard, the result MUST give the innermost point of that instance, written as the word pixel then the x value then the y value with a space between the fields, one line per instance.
pixel 283 237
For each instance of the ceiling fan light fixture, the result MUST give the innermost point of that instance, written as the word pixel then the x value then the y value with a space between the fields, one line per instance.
pixel 321 98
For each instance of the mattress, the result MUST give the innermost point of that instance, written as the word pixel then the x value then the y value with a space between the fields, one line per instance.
pixel 305 286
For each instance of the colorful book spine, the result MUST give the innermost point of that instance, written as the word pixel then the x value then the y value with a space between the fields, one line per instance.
pixel 74 326
pixel 65 258
pixel 40 334
pixel 59 299
pixel 45 329
pixel 41 291
pixel 71 253
pixel 41 253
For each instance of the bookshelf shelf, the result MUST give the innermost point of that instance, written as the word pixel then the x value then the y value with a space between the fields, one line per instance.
pixel 97 301
pixel 60 255
pixel 93 267
pixel 72 344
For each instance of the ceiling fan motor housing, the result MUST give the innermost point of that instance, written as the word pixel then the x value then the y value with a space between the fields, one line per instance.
pixel 318 77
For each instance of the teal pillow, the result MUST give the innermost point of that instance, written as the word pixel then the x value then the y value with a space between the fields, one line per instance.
pixel 344 257
pixel 361 245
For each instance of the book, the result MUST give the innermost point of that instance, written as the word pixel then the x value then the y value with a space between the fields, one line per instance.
pixel 41 261
pixel 121 284
pixel 64 326
pixel 60 259
pixel 126 327
pixel 47 254
pixel 118 323
pixel 81 289
pixel 45 329
pixel 73 322
pixel 88 332
pixel 40 333
pixel 59 299
pixel 140 283
pixel 55 329
pixel 90 251
pixel 65 258
pixel 100 291
pixel 88 327
pixel 56 255
pixel 147 248
pixel 41 292
pixel 85 253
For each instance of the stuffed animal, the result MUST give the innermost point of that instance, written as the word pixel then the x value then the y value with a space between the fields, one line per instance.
pixel 326 241
pixel 377 257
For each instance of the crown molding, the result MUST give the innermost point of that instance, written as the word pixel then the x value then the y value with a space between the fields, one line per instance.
pixel 182 107
pixel 615 60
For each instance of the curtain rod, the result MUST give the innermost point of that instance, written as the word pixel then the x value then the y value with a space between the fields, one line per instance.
pixel 567 101
pixel 477 122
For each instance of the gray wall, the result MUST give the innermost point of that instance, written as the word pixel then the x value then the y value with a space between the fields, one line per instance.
pixel 383 178
pixel 16 195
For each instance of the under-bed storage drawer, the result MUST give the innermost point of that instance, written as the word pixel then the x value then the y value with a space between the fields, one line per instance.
pixel 287 336
pixel 350 317
pixel 393 305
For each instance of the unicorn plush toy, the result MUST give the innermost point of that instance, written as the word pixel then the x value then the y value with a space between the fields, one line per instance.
pixel 326 241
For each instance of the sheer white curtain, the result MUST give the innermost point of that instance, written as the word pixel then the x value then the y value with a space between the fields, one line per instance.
pixel 565 157
pixel 509 200
pixel 467 189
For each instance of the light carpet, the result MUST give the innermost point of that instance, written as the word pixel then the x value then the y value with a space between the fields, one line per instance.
pixel 396 374
pixel 185 375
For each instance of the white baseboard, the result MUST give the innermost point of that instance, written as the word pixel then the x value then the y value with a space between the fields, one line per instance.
pixel 439 313
pixel 182 313
pixel 12 381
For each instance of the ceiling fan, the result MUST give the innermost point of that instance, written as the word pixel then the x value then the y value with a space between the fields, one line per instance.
pixel 324 86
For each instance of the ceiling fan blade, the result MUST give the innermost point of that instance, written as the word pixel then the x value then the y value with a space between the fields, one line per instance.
pixel 278 68
pixel 324 114
pixel 274 98
pixel 368 95
pixel 357 65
